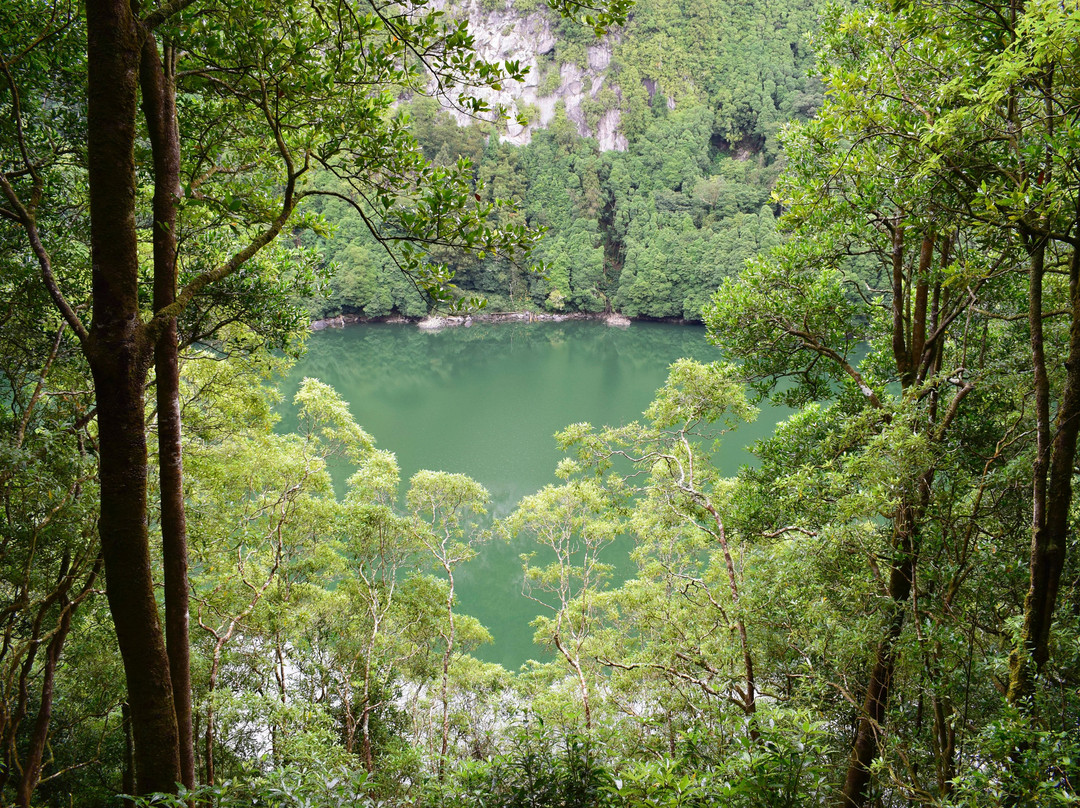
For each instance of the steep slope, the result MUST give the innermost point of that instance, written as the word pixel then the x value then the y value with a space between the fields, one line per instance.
pixel 531 36
pixel 649 155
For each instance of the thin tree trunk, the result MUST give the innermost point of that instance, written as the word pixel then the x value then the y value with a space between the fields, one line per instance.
pixel 222 636
pixel 899 344
pixel 583 686
pixel 447 654
pixel 749 700
pixel 159 105
pixel 905 547
pixel 1051 488
pixel 119 358
pixel 915 356
pixel 365 740
pixel 944 744
pixel 208 750
pixel 872 715
pixel 917 369
pixel 368 653
pixel 365 716
pixel 39 736
pixel 749 694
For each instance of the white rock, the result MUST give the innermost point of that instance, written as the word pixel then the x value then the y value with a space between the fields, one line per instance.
pixel 503 34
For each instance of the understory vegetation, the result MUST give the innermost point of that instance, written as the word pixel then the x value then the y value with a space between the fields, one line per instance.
pixel 883 610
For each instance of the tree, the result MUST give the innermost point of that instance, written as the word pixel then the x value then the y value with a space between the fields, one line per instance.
pixel 935 180
pixel 378 548
pixel 49 550
pixel 791 316
pixel 312 82
pixel 678 515
pixel 50 559
pixel 444 507
pixel 1028 181
pixel 572 523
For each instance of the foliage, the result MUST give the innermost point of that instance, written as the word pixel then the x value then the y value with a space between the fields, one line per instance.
pixel 49 552
pixel 650 231
pixel 858 599
pixel 783 769
pixel 539 771
pixel 279 787
pixel 1048 775
pixel 573 524
pixel 904 220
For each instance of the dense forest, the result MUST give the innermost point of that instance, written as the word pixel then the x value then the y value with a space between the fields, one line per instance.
pixel 703 89
pixel 884 610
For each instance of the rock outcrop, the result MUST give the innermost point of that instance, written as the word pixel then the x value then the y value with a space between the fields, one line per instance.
pixel 504 33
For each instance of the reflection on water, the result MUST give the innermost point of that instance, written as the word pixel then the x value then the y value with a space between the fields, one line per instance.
pixel 485 401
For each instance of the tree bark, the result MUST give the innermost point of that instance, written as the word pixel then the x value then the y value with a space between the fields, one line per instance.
pixel 39 735
pixel 872 715
pixel 899 344
pixel 447 655
pixel 209 739
pixel 119 357
pixel 159 108
pixel 1051 488
pixel 944 744
pixel 365 716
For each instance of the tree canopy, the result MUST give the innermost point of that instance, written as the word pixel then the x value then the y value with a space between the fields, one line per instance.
pixel 880 610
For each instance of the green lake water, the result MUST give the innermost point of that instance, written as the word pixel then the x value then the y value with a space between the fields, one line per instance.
pixel 485 401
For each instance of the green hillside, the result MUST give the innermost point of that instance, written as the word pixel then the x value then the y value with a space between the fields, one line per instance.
pixel 703 88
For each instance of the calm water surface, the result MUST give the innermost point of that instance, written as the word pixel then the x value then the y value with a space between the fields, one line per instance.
pixel 485 401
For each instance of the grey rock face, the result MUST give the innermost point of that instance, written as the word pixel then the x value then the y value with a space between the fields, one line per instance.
pixel 504 33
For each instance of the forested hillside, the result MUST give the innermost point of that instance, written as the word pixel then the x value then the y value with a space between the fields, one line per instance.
pixel 882 611
pixel 702 90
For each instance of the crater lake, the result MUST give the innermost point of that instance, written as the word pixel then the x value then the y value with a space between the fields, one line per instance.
pixel 485 401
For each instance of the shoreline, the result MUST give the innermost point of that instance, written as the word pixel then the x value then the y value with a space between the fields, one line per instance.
pixel 438 322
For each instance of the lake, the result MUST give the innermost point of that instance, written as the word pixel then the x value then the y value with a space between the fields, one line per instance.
pixel 485 401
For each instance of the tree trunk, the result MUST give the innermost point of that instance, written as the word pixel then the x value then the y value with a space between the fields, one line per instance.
pixel 749 693
pixel 583 687
pixel 39 736
pixel 129 583
pixel 367 753
pixel 944 744
pixel 447 655
pixel 159 106
pixel 915 356
pixel 119 356
pixel 1051 489
pixel 210 729
pixel 872 715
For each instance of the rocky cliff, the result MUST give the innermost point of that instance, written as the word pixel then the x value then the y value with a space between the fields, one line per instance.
pixel 505 33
